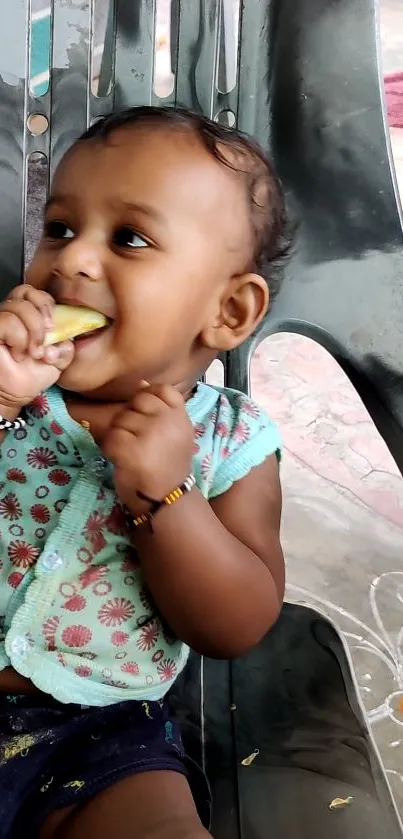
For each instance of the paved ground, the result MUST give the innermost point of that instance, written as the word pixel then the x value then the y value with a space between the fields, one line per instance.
pixel 391 26
pixel 391 34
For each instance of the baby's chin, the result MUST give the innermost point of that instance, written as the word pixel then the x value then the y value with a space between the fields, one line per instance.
pixel 88 370
pixel 83 384
pixel 78 381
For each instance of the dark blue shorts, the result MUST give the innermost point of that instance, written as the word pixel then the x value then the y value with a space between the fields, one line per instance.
pixel 54 755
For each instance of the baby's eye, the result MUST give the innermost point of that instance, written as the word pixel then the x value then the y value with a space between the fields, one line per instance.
pixel 57 230
pixel 125 237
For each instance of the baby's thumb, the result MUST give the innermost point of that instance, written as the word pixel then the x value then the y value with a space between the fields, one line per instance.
pixel 59 355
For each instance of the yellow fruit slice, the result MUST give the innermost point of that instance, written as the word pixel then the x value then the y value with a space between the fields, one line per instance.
pixel 71 321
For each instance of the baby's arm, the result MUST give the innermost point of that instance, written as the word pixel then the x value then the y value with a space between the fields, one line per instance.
pixel 216 571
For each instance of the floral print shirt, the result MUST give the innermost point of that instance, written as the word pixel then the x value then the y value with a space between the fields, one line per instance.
pixel 75 617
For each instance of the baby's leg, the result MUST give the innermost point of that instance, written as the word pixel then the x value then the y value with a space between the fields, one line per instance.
pixel 151 805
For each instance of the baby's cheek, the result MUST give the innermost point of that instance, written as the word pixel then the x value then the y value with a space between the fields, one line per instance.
pixel 37 274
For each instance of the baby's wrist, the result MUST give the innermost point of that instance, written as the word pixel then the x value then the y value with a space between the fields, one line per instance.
pixel 136 506
pixel 145 512
pixel 10 419
pixel 10 412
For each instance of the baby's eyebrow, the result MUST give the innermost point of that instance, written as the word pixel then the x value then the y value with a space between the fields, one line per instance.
pixel 143 209
pixel 53 199
pixel 137 208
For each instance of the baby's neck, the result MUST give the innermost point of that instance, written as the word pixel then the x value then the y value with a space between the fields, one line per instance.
pixel 98 416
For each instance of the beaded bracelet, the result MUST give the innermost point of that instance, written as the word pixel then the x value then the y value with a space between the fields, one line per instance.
pixel 175 495
pixel 11 425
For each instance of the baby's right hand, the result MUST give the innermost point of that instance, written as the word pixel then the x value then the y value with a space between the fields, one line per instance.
pixel 26 367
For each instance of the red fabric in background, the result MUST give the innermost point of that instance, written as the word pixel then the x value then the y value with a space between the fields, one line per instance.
pixel 394 99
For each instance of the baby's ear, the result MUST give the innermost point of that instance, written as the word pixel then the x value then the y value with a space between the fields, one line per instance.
pixel 242 307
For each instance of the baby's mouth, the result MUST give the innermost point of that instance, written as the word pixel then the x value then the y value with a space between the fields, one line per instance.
pixel 85 336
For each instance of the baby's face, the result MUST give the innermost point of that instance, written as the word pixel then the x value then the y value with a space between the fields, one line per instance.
pixel 147 228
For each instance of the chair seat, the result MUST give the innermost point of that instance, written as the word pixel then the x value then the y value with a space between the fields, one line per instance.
pixel 292 702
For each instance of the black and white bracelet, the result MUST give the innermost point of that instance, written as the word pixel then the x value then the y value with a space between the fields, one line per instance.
pixel 11 425
pixel 174 495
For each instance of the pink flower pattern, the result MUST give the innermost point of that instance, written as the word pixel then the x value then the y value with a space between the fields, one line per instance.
pixel 116 611
pixel 16 475
pixel 94 531
pixel 41 458
pixel 76 636
pixel 99 608
pixel 241 432
pixel 75 603
pixel 56 428
pixel 92 574
pixel 200 430
pixel 22 554
pixel 10 507
pixel 251 409
pixel 130 667
pixel 83 671
pixel 167 670
pixel 148 636
pixel 40 513
pixel 49 630
pixel 222 429
pixel 59 477
pixel 14 579
pixel 116 522
pixel 206 466
pixel 39 407
pixel 119 638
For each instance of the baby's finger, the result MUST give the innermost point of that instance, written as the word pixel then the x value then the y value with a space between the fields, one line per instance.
pixel 32 319
pixel 13 334
pixel 122 448
pixel 147 403
pixel 42 300
pixel 59 355
pixel 133 422
pixel 169 395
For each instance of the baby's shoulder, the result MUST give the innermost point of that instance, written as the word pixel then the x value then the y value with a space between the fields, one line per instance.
pixel 218 405
pixel 232 435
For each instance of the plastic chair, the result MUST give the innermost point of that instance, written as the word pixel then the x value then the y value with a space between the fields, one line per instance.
pixel 281 733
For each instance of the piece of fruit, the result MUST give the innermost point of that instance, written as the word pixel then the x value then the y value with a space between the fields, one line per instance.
pixel 71 321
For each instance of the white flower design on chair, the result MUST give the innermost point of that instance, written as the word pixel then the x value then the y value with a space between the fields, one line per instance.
pixel 377 659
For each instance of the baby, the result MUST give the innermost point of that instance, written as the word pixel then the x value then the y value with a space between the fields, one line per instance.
pixel 139 507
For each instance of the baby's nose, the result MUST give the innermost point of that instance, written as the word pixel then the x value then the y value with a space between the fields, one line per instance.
pixel 80 258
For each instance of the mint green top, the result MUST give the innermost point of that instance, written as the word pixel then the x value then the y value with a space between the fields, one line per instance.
pixel 75 616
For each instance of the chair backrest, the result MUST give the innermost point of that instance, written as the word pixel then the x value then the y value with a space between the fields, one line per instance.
pixel 303 76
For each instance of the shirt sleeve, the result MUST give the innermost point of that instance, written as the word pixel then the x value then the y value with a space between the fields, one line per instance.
pixel 244 438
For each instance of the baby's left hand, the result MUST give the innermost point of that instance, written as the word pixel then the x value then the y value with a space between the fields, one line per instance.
pixel 150 445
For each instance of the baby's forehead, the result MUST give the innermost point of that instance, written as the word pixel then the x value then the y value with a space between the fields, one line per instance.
pixel 150 149
pixel 169 168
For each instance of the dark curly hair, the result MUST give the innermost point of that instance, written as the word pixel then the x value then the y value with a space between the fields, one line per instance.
pixel 266 197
